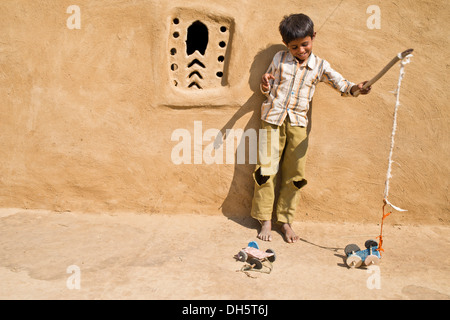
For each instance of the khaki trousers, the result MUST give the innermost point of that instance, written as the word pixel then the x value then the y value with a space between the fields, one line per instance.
pixel 288 157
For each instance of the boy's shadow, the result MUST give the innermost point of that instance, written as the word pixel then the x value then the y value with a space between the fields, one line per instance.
pixel 237 204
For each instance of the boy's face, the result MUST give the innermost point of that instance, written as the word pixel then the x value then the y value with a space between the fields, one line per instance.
pixel 301 48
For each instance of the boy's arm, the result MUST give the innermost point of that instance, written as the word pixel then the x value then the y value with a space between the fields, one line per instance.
pixel 339 83
pixel 268 77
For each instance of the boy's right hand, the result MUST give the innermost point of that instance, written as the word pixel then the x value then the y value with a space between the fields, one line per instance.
pixel 265 81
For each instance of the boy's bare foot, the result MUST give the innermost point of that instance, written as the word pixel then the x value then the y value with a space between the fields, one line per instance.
pixel 289 234
pixel 266 230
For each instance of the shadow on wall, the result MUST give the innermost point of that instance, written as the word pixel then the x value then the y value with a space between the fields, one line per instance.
pixel 237 204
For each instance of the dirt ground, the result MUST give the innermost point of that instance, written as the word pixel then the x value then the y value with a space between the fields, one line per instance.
pixel 132 256
pixel 87 126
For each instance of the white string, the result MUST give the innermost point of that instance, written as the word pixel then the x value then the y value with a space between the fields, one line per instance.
pixel 405 61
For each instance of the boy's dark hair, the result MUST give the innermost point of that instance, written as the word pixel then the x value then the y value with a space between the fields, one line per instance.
pixel 296 26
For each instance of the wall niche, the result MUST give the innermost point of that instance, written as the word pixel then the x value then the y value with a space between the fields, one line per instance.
pixel 199 44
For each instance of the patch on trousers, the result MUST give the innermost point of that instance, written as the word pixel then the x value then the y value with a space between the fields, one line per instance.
pixel 259 178
pixel 300 184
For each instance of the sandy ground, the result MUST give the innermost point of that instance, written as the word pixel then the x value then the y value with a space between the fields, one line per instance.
pixel 131 256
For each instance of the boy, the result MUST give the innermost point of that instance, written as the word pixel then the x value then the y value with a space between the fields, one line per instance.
pixel 289 85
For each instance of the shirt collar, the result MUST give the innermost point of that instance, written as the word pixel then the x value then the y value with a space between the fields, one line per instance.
pixel 310 63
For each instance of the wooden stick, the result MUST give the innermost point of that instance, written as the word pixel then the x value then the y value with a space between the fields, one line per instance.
pixel 397 58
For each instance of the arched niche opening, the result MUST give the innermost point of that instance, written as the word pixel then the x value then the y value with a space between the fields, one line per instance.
pixel 197 38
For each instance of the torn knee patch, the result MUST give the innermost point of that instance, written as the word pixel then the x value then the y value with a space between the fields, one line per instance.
pixel 259 178
pixel 300 184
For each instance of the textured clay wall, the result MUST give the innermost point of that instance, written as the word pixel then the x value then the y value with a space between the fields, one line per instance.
pixel 138 106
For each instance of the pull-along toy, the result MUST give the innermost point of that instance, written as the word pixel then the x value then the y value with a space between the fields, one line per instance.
pixel 257 260
pixel 356 257
pixel 405 59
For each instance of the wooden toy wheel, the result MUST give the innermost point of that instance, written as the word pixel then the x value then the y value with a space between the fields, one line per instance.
pixel 242 256
pixel 372 260
pixel 255 263
pixel 353 261
pixel 351 248
pixel 272 258
pixel 370 243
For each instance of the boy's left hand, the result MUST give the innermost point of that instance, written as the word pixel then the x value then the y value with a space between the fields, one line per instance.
pixel 359 87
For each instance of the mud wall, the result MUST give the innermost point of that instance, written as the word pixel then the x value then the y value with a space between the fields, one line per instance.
pixel 139 105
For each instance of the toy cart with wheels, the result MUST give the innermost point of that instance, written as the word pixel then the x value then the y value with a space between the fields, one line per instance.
pixel 357 257
pixel 256 257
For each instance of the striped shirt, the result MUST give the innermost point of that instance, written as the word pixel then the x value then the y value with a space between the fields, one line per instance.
pixel 294 85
